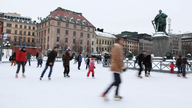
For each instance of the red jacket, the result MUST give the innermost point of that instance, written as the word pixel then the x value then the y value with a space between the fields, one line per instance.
pixel 91 66
pixel 21 56
pixel 172 66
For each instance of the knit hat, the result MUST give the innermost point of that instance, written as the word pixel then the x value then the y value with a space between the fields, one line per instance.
pixel 68 50
pixel 92 58
pixel 171 62
pixel 23 47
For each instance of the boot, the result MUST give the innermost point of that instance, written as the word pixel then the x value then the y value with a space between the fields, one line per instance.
pixel 178 75
pixel 118 97
pixel 104 97
pixel 23 76
pixel 146 75
pixel 16 76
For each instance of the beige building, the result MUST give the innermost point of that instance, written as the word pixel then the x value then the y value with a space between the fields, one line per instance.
pixel 17 27
pixel 175 45
pixel 66 28
pixel 130 44
pixel 103 42
pixel 146 45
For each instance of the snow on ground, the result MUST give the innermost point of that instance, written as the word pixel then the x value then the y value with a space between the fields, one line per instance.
pixel 162 90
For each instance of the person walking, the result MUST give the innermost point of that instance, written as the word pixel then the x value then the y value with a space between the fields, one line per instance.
pixel 50 62
pixel 66 62
pixel 172 66
pixel 148 65
pixel 183 65
pixel 79 59
pixel 21 59
pixel 178 65
pixel 29 58
pixel 117 66
pixel 13 58
pixel 140 59
pixel 91 68
pixel 39 59
pixel 87 62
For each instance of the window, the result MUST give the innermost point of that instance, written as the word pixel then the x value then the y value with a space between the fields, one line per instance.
pixel 15 31
pixel 25 27
pixel 44 39
pixel 20 32
pixel 87 42
pixel 81 34
pixel 48 30
pixel 28 40
pixel 15 38
pixel 9 24
pixel 66 32
pixel 66 39
pixel 92 49
pixel 67 25
pixel 97 41
pixel 49 23
pixel 81 41
pixel 92 42
pixel 24 32
pixel 33 28
pixel 33 34
pixel 48 39
pixel 29 33
pixel 103 42
pixel 93 30
pixel 29 27
pixel 74 26
pixel 74 33
pixel 58 38
pixel 92 36
pixel 74 40
pixel 87 35
pixel 88 29
pixel 58 31
pixel 73 47
pixel 81 27
pixel 20 26
pixel 24 39
pixel 58 23
pixel 16 25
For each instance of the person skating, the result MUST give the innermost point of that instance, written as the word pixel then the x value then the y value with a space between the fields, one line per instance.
pixel 117 66
pixel 148 65
pixel 91 68
pixel 178 64
pixel 66 62
pixel 29 58
pixel 140 59
pixel 21 59
pixel 39 59
pixel 13 60
pixel 172 66
pixel 50 62
pixel 79 59
pixel 87 61
pixel 183 65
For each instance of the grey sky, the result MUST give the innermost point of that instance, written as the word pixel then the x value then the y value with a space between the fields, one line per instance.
pixel 112 15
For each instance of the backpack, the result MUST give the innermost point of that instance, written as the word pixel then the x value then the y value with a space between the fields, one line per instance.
pixel 10 58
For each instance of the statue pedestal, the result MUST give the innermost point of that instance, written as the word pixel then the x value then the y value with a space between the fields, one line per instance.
pixel 160 44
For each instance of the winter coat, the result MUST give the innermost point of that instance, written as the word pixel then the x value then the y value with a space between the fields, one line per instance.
pixel 40 56
pixel 184 61
pixel 140 58
pixel 21 56
pixel 147 61
pixel 87 61
pixel 117 59
pixel 172 66
pixel 37 55
pixel 79 59
pixel 92 66
pixel 28 55
pixel 178 61
pixel 66 59
pixel 51 58
pixel 14 56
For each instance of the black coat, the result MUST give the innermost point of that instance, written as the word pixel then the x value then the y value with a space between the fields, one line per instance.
pixel 140 58
pixel 14 56
pixel 147 61
pixel 178 61
pixel 66 59
pixel 51 58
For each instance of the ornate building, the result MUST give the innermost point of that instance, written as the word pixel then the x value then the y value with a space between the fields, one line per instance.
pixel 186 40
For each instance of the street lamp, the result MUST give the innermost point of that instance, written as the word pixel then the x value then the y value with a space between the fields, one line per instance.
pixel 1 46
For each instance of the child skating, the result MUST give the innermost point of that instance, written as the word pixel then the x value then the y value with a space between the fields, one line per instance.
pixel 172 66
pixel 91 68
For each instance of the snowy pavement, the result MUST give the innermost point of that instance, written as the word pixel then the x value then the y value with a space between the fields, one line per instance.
pixel 162 90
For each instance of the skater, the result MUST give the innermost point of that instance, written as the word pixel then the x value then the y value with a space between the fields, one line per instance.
pixel 117 66
pixel 172 66
pixel 183 65
pixel 91 68
pixel 21 59
pixel 140 59
pixel 178 64
pixel 148 65
pixel 87 61
pixel 50 62
pixel 39 59
pixel 66 62
pixel 79 59
pixel 13 61
pixel 28 58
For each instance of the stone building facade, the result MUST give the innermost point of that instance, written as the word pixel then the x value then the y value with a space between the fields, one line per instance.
pixel 186 43
pixel 175 45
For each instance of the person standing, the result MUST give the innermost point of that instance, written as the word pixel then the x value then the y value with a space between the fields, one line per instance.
pixel 79 59
pixel 66 62
pixel 178 65
pixel 13 60
pixel 140 59
pixel 183 65
pixel 29 57
pixel 91 68
pixel 172 66
pixel 39 59
pixel 50 62
pixel 117 66
pixel 148 65
pixel 21 59
pixel 87 61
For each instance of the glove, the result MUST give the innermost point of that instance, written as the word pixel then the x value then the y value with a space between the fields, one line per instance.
pixel 124 70
pixel 189 65
pixel 94 67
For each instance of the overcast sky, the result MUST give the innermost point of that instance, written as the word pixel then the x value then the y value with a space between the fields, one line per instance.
pixel 114 16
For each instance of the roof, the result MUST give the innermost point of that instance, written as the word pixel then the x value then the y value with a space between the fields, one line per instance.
pixel 104 34
pixel 68 13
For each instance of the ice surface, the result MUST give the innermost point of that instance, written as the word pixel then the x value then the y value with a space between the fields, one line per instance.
pixel 162 90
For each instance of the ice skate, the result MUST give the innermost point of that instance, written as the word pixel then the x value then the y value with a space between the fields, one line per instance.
pixel 16 76
pixel 185 77
pixel 146 75
pixel 117 97
pixel 68 76
pixel 139 76
pixel 104 97
pixel 49 78
pixel 178 75
pixel 23 76
pixel 65 75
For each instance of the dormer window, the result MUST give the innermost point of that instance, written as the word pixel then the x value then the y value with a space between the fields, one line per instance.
pixel 80 21
pixel 67 18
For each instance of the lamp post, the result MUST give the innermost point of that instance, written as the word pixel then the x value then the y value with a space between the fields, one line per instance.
pixel 20 39
pixel 1 46
pixel 37 36
pixel 63 49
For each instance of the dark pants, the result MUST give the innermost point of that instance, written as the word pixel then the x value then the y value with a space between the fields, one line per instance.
pixel 115 83
pixel 183 69
pixel 79 65
pixel 51 67
pixel 140 68
pixel 67 69
pixel 39 62
pixel 178 67
pixel 29 60
pixel 19 63
pixel 87 66
pixel 147 69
